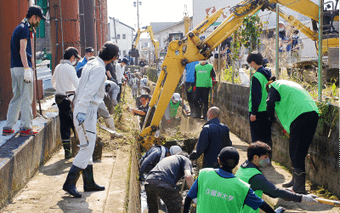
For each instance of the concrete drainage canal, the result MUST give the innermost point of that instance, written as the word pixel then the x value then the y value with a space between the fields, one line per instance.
pixel 138 203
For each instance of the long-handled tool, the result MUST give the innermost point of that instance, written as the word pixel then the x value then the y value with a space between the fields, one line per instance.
pixel 87 140
pixel 329 202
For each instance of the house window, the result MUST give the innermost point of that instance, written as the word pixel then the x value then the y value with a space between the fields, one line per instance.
pixel 118 36
pixel 124 36
pixel 124 51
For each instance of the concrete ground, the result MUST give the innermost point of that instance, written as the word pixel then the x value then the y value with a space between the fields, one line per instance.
pixel 44 191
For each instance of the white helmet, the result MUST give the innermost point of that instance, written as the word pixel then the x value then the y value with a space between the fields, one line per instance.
pixel 176 97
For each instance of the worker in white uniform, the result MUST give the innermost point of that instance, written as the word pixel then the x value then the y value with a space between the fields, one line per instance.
pixel 89 94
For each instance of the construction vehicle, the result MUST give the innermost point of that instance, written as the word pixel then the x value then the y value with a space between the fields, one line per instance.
pixel 134 51
pixel 192 48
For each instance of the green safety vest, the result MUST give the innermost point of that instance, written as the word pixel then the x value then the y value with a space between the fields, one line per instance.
pixel 173 109
pixel 217 194
pixel 263 81
pixel 294 101
pixel 245 174
pixel 203 75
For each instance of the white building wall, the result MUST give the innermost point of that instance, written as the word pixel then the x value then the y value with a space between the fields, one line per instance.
pixel 163 35
pixel 125 35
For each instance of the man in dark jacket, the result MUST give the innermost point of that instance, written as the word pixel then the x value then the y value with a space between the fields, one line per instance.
pixel 153 156
pixel 214 136
pixel 260 126
pixel 249 172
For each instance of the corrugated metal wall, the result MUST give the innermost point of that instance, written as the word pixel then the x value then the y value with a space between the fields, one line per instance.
pixel 11 14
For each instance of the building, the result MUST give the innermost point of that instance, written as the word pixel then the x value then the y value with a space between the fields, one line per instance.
pixel 121 34
pixel 165 32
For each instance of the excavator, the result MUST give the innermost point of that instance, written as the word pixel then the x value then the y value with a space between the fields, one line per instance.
pixel 192 48
pixel 134 51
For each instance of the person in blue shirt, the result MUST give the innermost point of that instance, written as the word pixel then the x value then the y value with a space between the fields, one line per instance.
pixel 89 52
pixel 22 61
pixel 218 190
pixel 189 81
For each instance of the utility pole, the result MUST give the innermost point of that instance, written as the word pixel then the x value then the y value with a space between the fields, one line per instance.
pixel 115 28
pixel 136 4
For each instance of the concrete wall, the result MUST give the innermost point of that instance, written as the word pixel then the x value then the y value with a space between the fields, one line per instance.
pixel 322 163
pixel 21 157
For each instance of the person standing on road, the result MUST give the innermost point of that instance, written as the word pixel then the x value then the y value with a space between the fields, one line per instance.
pixel 120 68
pixel 188 80
pixel 155 154
pixel 162 179
pixel 64 80
pixel 218 190
pixel 89 52
pixel 204 79
pixel 299 116
pixel 249 172
pixel 260 125
pixel 213 137
pixel 89 95
pixel 22 61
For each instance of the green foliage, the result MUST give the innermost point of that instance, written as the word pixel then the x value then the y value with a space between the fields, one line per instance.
pixel 118 112
pixel 251 31
pixel 228 75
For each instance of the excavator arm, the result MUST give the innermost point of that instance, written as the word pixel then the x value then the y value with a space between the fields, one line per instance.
pixel 191 48
pixel 152 38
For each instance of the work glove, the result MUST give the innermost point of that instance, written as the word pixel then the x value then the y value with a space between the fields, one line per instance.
pixel 279 210
pixel 309 199
pixel 28 75
pixel 81 118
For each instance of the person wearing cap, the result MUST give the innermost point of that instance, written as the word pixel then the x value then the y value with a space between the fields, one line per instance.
pixel 171 111
pixel 64 79
pixel 142 110
pixel 162 179
pixel 204 79
pixel 89 52
pixel 144 90
pixel 298 115
pixel 213 137
pixel 249 172
pixel 120 69
pixel 22 61
pixel 153 156
pixel 89 95
pixel 218 190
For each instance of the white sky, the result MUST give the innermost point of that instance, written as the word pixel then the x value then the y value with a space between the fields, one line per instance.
pixel 149 11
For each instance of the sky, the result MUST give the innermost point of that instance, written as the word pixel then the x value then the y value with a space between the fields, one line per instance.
pixel 149 11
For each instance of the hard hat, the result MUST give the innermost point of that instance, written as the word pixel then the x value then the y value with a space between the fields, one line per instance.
pixel 162 58
pixel 281 22
pixel 176 97
pixel 126 61
pixel 175 150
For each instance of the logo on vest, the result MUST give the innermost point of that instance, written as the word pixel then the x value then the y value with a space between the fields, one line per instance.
pixel 215 193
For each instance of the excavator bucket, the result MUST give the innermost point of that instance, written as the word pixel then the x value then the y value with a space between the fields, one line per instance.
pixel 134 53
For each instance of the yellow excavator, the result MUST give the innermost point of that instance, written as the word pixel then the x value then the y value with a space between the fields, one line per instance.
pixel 192 48
pixel 134 51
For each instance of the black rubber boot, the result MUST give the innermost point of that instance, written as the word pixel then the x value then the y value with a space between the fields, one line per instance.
pixel 67 148
pixel 89 184
pixel 299 176
pixel 71 180
pixel 290 183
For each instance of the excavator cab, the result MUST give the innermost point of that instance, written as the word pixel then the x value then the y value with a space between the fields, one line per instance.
pixel 134 53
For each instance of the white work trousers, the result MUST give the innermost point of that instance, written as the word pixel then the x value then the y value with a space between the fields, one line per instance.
pixel 103 111
pixel 21 101
pixel 84 156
